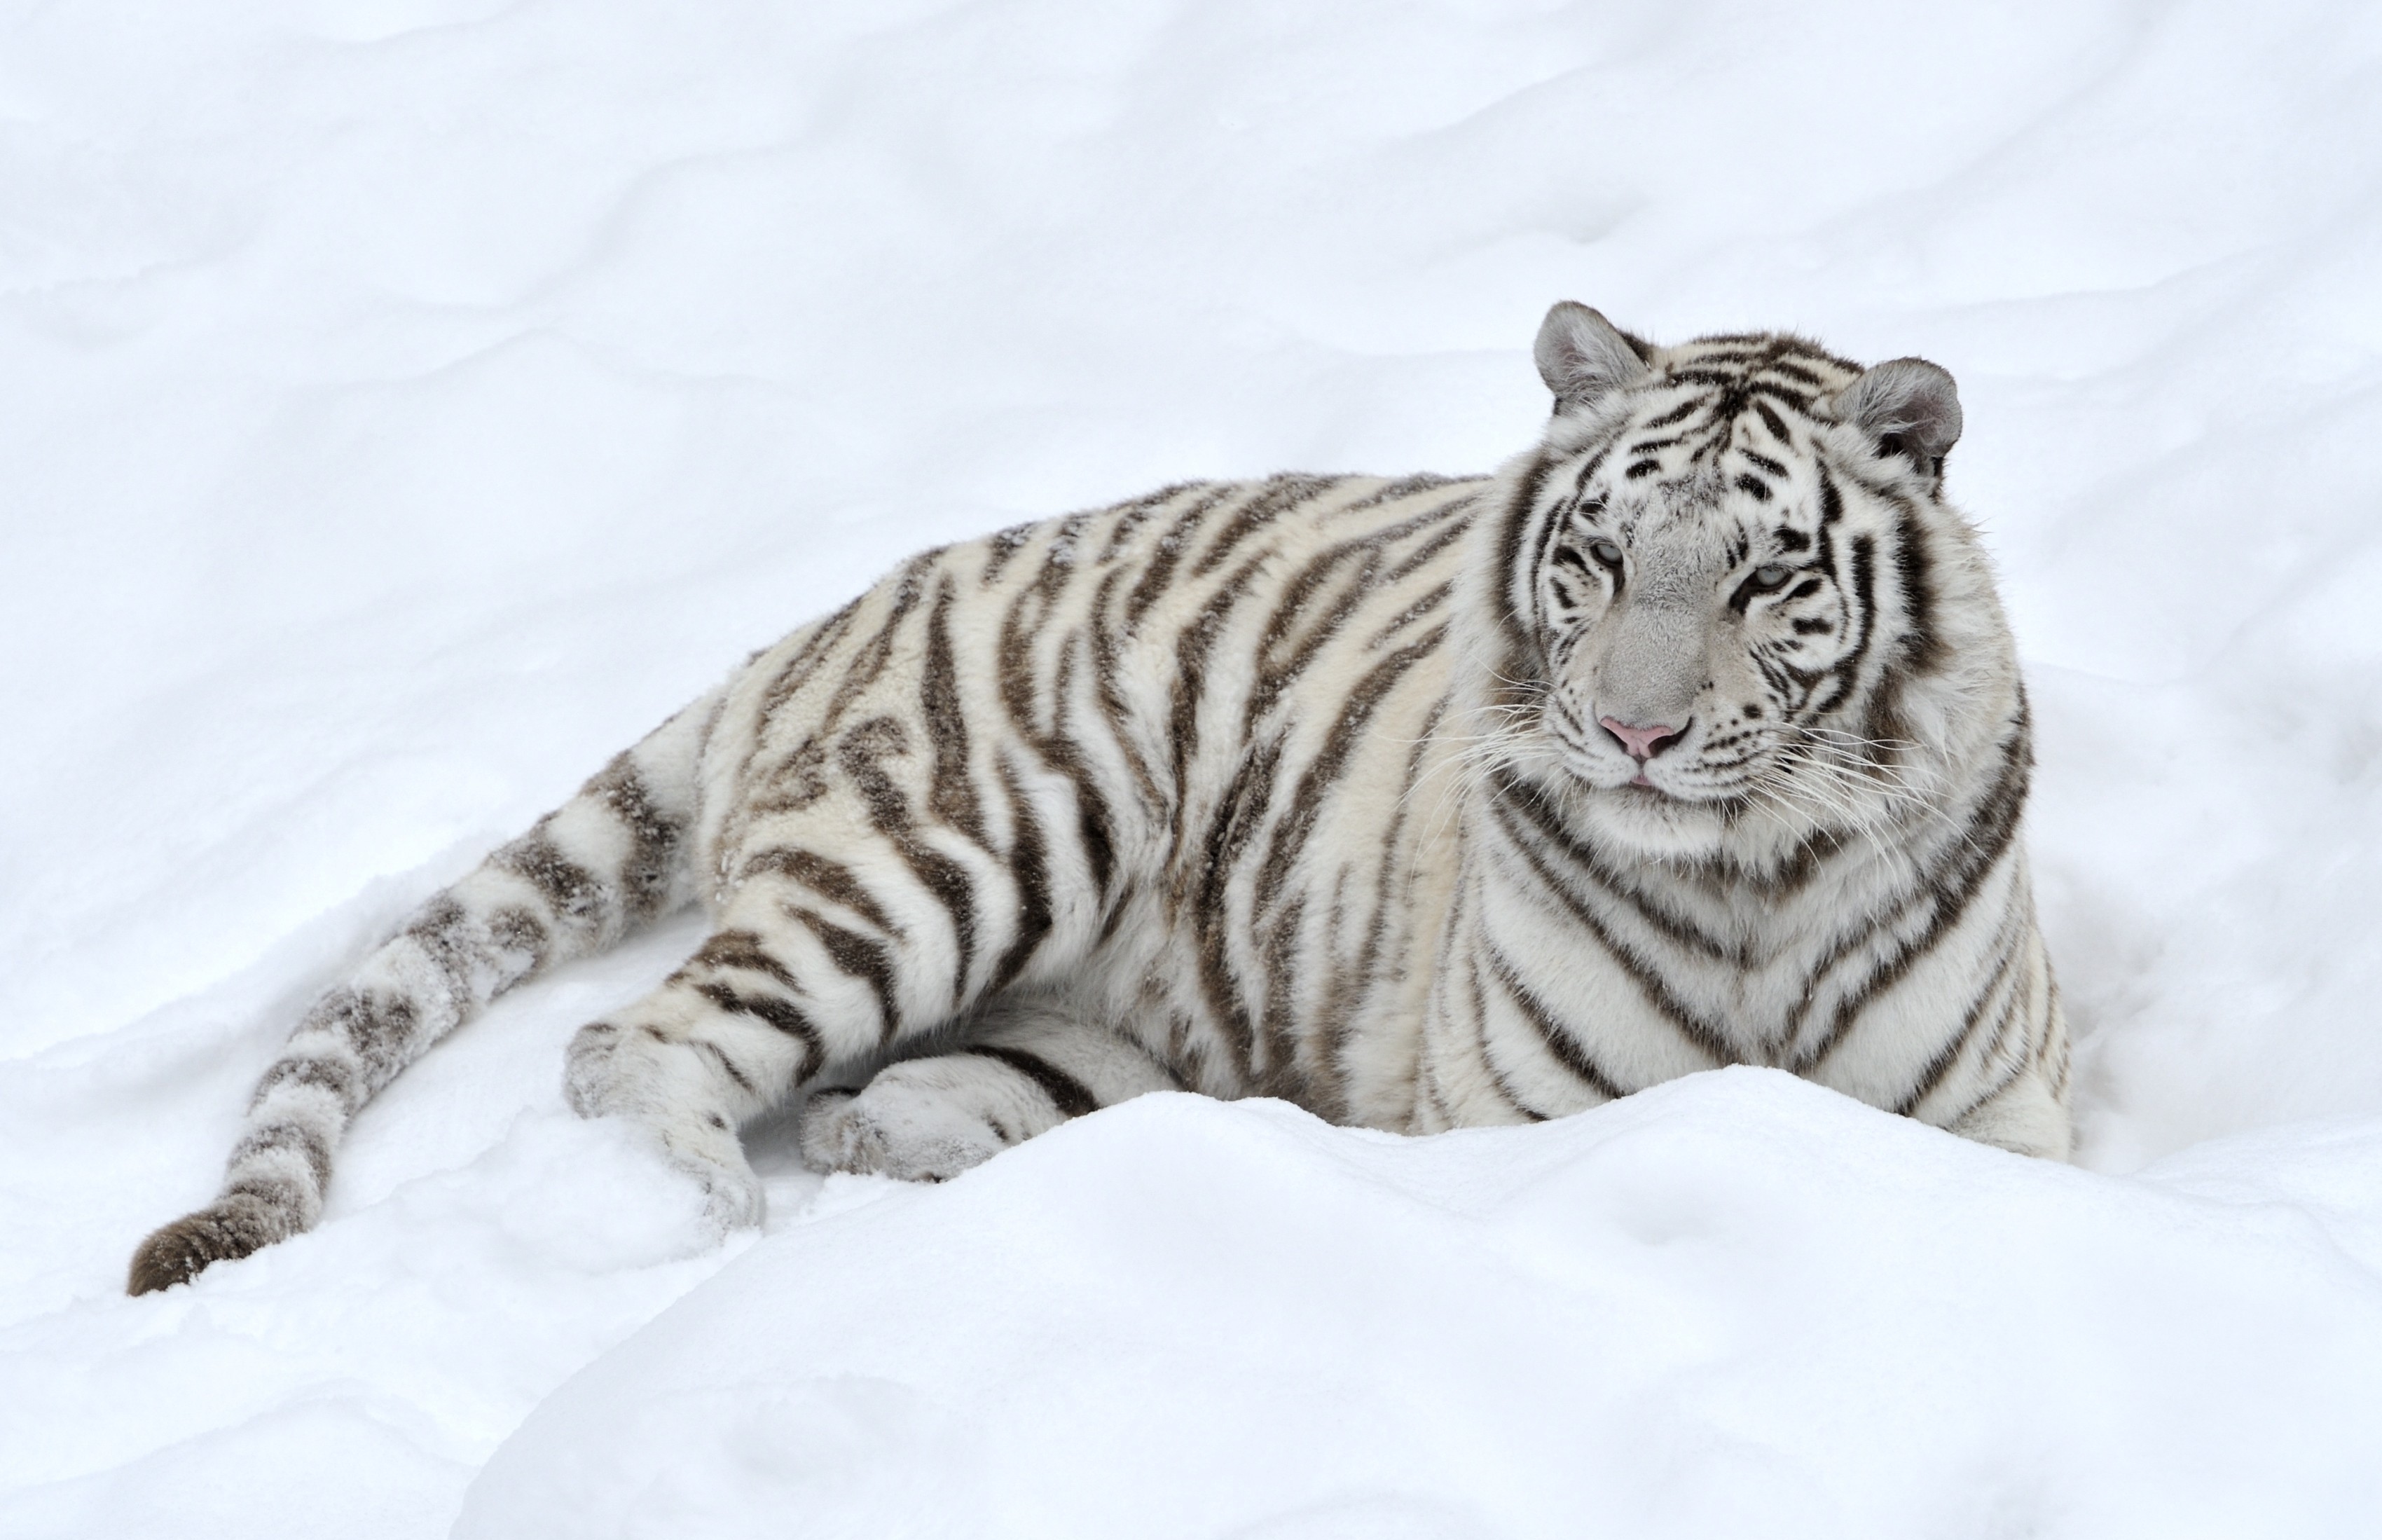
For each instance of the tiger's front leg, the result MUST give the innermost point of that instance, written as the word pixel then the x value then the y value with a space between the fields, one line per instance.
pixel 1024 1068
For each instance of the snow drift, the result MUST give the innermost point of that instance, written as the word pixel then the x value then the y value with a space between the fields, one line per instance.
pixel 1735 1304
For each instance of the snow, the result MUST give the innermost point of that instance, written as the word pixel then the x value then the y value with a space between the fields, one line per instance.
pixel 405 403
pixel 1734 1305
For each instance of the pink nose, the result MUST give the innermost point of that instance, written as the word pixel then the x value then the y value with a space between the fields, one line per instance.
pixel 1643 742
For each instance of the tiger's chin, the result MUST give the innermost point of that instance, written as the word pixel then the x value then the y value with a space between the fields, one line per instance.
pixel 1642 818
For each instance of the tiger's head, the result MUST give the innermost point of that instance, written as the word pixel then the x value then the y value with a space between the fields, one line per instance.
pixel 1737 613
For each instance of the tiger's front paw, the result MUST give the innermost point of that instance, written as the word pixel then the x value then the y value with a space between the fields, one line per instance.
pixel 714 1159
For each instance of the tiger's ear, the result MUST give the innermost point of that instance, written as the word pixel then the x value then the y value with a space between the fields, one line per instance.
pixel 1907 406
pixel 1583 357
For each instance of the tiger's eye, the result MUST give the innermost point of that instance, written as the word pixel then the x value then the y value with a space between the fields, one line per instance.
pixel 1770 574
pixel 1605 551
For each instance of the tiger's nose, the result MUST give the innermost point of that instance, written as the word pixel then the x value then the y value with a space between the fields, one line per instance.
pixel 1643 742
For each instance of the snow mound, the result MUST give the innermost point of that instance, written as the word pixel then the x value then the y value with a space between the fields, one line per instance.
pixel 1734 1305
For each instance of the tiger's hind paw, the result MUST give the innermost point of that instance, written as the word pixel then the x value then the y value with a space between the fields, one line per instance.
pixel 895 1126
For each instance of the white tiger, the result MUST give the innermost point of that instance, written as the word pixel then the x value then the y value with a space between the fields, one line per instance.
pixel 1694 736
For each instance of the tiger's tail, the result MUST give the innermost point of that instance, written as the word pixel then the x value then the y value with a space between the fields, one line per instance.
pixel 614 857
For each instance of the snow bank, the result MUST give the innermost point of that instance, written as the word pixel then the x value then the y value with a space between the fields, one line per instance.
pixel 404 404
pixel 1734 1305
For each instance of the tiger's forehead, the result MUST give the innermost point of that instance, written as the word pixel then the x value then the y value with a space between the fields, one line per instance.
pixel 1724 423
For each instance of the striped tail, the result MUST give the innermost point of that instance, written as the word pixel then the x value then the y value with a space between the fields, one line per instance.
pixel 612 857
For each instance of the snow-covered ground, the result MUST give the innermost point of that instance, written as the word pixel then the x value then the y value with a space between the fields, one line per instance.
pixel 403 404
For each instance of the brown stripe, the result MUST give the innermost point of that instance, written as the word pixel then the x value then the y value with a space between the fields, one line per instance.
pixel 796 672
pixel 951 796
pixel 307 1142
pixel 1158 575
pixel 743 1081
pixel 1310 801
pixel 1239 813
pixel 1269 501
pixel 654 837
pixel 572 893
pixel 327 1075
pixel 382 1029
pixel 739 949
pixel 829 879
pixel 860 957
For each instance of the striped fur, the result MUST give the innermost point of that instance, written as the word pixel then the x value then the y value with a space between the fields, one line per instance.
pixel 1306 788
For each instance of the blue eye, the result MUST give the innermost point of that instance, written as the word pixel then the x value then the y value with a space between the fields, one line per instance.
pixel 1770 574
pixel 1605 551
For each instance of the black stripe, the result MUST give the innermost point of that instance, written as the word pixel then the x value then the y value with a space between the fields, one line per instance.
pixel 1561 1041
pixel 1510 537
pixel 783 1015
pixel 1932 1075
pixel 1648 979
pixel 1030 869
pixel 1975 856
pixel 1924 651
pixel 1497 1081
pixel 1677 929
pixel 1071 1096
